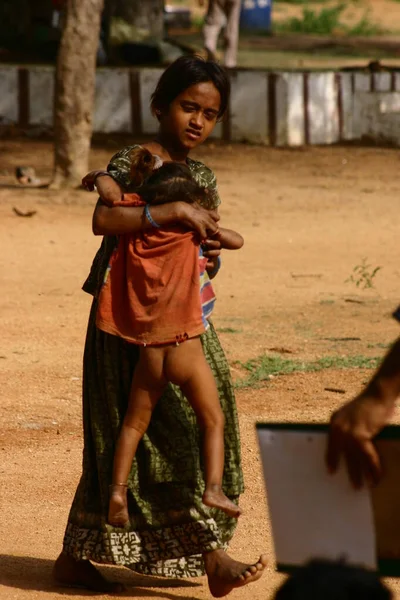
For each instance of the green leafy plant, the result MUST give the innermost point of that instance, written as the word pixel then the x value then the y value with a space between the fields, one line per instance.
pixel 363 275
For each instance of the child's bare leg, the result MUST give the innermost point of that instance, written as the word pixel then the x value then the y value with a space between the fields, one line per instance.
pixel 186 366
pixel 147 387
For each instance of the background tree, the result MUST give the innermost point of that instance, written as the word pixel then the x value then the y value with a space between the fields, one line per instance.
pixel 76 72
pixel 74 90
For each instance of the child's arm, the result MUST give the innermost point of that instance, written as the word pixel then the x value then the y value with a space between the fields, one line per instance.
pixel 229 239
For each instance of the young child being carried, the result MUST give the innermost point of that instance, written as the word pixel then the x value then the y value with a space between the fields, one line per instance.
pixel 157 294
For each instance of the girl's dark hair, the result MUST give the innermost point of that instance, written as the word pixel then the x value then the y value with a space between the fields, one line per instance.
pixel 185 72
pixel 174 182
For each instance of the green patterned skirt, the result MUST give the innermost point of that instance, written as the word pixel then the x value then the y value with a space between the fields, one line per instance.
pixel 169 526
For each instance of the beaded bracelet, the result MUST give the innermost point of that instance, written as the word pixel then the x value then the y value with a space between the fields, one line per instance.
pixel 150 218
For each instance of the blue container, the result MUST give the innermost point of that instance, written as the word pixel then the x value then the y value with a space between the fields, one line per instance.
pixel 256 15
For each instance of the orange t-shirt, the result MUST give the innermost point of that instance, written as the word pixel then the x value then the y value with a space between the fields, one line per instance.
pixel 151 293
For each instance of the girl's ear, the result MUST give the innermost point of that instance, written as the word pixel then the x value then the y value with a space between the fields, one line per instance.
pixel 157 112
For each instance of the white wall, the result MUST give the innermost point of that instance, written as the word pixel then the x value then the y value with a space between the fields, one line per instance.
pixel 286 108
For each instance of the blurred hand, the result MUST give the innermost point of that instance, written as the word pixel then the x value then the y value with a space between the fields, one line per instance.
pixel 351 433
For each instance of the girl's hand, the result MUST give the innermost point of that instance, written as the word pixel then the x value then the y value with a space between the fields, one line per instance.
pixel 89 181
pixel 109 190
pixel 195 217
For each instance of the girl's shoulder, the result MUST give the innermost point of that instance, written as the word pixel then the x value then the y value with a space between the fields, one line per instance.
pixel 204 177
pixel 120 166
pixel 203 174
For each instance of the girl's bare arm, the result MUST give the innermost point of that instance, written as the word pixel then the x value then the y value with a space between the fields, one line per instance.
pixel 119 220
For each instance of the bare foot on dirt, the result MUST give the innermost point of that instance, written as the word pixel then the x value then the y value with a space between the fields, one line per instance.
pixel 69 572
pixel 118 515
pixel 215 498
pixel 225 574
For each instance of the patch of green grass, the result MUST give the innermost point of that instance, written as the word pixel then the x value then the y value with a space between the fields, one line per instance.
pixel 323 302
pixel 229 330
pixel 380 345
pixel 260 369
pixel 323 22
pixel 365 28
pixel 326 22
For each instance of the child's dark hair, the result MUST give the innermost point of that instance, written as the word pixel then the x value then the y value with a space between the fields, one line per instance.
pixel 185 72
pixel 325 580
pixel 174 182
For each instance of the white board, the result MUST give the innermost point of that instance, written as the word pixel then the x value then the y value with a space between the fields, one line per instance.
pixel 313 514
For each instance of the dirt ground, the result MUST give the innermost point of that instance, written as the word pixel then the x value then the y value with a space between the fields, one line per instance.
pixel 309 216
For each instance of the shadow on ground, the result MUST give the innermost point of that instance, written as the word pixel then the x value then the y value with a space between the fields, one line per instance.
pixel 29 573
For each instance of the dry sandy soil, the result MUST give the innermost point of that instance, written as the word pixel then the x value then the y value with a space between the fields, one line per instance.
pixel 308 216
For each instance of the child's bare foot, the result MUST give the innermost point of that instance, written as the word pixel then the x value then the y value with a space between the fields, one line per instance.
pixel 81 573
pixel 118 515
pixel 225 574
pixel 215 498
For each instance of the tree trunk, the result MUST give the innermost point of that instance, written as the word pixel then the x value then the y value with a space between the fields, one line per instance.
pixel 75 89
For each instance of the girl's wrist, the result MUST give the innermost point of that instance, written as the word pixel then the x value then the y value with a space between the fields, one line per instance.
pixel 179 211
pixel 148 216
pixel 163 214
pixel 100 174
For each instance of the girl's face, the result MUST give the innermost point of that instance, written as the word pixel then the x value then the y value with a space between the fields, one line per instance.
pixel 191 116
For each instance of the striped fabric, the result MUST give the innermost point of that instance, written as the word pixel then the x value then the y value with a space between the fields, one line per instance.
pixel 207 296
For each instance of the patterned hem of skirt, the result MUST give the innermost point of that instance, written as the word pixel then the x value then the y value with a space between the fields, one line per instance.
pixel 174 551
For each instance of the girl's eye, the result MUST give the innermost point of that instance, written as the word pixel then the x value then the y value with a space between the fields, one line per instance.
pixel 210 116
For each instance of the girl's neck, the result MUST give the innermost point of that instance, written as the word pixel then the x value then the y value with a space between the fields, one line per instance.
pixel 168 151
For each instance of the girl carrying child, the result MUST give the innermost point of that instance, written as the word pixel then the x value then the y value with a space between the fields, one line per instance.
pixel 152 297
pixel 171 532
